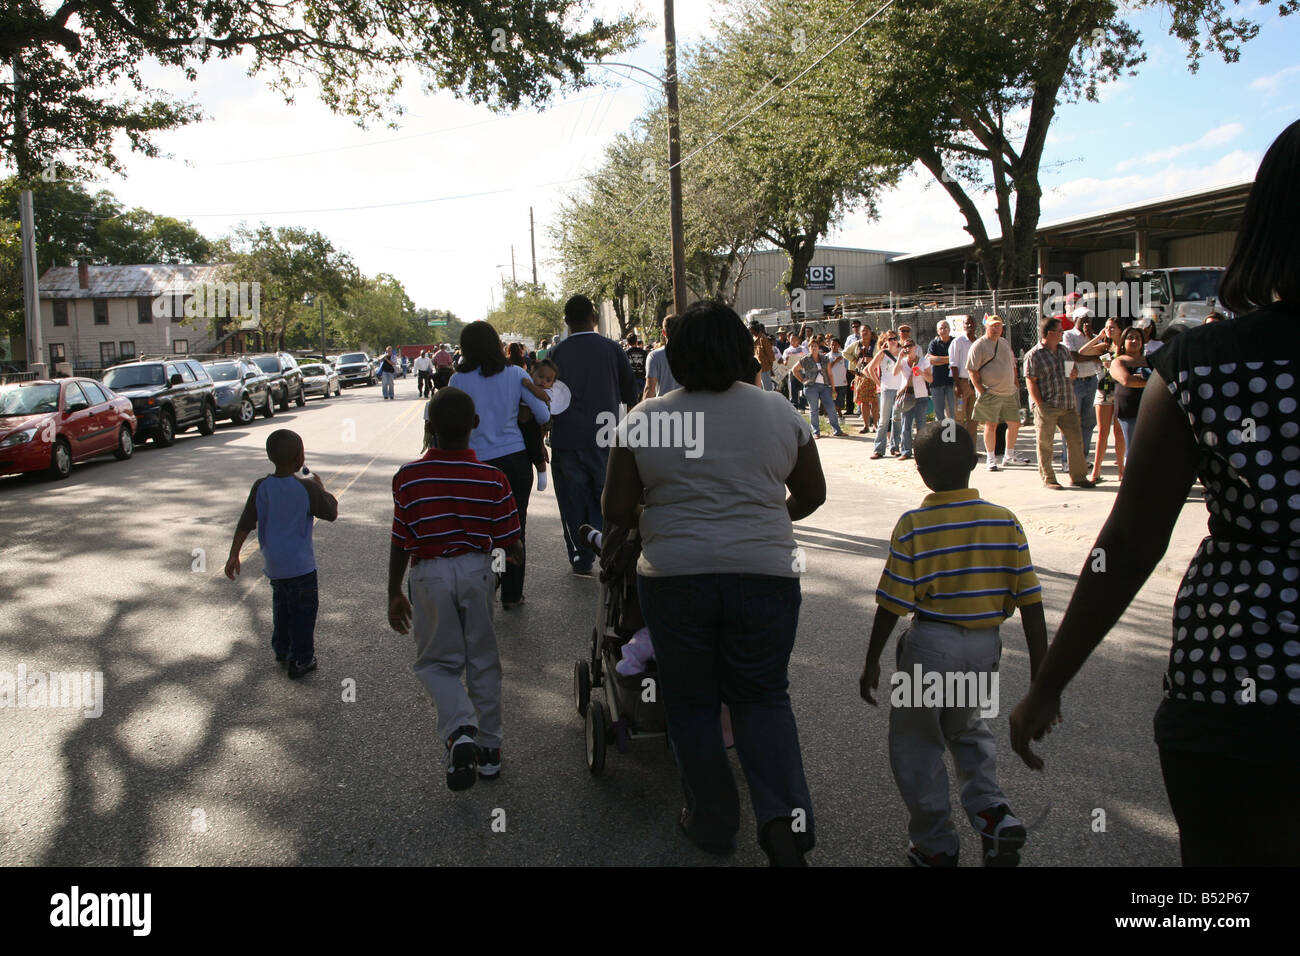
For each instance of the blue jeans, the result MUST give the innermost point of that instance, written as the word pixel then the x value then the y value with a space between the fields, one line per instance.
pixel 294 602
pixel 905 421
pixel 767 380
pixel 887 396
pixel 1085 390
pixel 821 395
pixel 945 402
pixel 1126 426
pixel 387 379
pixel 579 480
pixel 727 638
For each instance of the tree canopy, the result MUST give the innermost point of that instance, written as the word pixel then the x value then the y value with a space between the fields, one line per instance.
pixel 71 55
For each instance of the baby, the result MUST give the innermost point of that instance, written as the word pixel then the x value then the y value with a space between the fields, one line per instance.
pixel 544 373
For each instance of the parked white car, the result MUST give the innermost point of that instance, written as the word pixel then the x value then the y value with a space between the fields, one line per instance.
pixel 319 378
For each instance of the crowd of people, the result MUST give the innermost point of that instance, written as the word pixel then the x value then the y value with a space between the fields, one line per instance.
pixel 721 596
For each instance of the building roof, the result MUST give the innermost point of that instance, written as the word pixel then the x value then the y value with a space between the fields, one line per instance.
pixel 1168 217
pixel 821 247
pixel 109 282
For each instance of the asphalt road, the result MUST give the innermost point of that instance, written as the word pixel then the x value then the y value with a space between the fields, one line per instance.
pixel 206 754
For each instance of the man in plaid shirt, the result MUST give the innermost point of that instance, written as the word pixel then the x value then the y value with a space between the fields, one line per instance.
pixel 1052 395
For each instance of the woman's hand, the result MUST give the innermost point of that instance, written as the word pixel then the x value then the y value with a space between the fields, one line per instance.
pixel 1033 718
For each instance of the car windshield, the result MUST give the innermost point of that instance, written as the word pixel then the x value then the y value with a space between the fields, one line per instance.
pixel 28 399
pixel 352 358
pixel 312 369
pixel 268 363
pixel 223 372
pixel 1196 285
pixel 134 376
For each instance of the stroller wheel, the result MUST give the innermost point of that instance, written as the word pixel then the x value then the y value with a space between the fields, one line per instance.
pixel 581 687
pixel 596 738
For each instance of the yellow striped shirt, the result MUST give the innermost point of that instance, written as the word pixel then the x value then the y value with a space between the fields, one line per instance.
pixel 958 559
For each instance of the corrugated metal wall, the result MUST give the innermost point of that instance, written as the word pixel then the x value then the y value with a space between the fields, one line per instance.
pixel 856 270
pixel 1208 250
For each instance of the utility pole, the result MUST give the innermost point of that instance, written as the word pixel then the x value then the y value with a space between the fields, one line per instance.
pixel 27 226
pixel 674 162
pixel 532 242
pixel 513 277
pixel 321 300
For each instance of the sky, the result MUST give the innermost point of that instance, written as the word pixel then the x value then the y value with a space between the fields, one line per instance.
pixel 440 202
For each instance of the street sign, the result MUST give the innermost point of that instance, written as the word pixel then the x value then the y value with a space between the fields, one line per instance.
pixel 438 321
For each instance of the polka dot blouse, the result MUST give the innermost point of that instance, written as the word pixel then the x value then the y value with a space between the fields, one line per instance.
pixel 1235 614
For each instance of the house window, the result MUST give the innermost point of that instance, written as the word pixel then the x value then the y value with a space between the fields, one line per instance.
pixel 58 353
pixel 178 307
pixel 144 310
pixel 181 346
pixel 107 354
pixel 126 350
pixel 101 312
pixel 60 312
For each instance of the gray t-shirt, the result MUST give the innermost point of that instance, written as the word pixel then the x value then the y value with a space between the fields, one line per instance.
pixel 715 503
pixel 657 368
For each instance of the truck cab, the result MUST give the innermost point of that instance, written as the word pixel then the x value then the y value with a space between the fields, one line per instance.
pixel 1181 297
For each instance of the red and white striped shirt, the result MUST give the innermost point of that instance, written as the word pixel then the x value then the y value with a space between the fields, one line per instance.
pixel 449 503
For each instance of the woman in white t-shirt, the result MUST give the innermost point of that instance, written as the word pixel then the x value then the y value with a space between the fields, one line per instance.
pixel 718 577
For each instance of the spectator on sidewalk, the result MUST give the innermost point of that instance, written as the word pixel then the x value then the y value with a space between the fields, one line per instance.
pixel 941 389
pixel 882 372
pixel 636 357
pixel 599 378
pixel 839 366
pixel 963 390
pixel 764 352
pixel 1108 424
pixel 992 367
pixel 1054 404
pixel 814 375
pixel 864 383
pixel 914 374
pixel 791 357
pixel 1083 348
pixel 1131 370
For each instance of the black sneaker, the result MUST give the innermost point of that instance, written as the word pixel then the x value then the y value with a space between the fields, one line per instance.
pixel 780 844
pixel 462 759
pixel 282 660
pixel 298 669
pixel 489 762
pixel 915 857
pixel 1003 836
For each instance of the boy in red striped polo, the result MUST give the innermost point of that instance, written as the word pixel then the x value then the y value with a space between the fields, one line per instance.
pixel 450 513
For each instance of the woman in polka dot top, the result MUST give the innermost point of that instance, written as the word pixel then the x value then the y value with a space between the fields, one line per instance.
pixel 1221 406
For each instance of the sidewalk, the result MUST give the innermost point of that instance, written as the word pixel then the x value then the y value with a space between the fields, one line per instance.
pixel 1069 520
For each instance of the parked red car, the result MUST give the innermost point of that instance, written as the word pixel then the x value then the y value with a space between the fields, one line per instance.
pixel 47 425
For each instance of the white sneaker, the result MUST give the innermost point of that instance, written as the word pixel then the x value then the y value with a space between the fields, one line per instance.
pixel 992 463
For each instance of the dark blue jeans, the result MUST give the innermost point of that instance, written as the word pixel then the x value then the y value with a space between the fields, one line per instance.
pixel 518 470
pixel 727 638
pixel 294 602
pixel 579 480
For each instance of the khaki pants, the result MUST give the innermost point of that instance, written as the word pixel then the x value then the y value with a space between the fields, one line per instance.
pixel 451 600
pixel 966 414
pixel 1047 421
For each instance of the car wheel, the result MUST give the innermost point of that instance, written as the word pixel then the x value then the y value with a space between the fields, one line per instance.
pixel 60 459
pixel 246 411
pixel 125 444
pixel 301 400
pixel 166 434
pixel 284 401
pixel 268 410
pixel 208 424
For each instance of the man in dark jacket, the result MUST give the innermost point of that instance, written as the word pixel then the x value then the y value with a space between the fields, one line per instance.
pixel 599 378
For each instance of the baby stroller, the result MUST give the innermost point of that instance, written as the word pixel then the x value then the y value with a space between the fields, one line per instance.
pixel 631 708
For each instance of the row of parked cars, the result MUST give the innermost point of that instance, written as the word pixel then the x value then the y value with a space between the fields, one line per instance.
pixel 48 425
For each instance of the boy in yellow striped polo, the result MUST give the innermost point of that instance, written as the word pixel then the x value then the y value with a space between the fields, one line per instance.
pixel 960 566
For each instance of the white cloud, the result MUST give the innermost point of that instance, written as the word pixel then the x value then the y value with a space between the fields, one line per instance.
pixel 1079 197
pixel 1218 136
pixel 1269 85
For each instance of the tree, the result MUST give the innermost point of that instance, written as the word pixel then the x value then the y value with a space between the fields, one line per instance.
pixel 529 311
pixel 968 89
pixel 376 313
pixel 289 263
pixel 70 54
pixel 422 331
